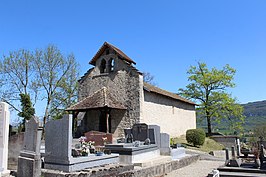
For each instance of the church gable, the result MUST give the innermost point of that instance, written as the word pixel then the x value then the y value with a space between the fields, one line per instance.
pixel 109 59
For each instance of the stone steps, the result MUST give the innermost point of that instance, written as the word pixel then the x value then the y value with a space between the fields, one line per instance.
pixel 152 161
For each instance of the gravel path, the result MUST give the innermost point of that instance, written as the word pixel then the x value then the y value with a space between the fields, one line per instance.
pixel 201 168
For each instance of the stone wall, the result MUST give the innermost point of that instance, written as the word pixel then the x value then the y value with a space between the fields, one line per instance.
pixel 15 144
pixel 174 117
pixel 127 170
pixel 124 84
pixel 227 141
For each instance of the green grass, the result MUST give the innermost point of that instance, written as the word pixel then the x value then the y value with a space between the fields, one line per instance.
pixel 208 146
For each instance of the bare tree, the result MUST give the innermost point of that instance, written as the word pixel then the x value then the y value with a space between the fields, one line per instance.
pixel 149 78
pixel 55 71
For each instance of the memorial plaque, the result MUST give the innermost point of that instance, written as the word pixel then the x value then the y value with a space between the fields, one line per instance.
pixel 140 132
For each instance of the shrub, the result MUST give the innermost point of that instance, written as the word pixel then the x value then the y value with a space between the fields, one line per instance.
pixel 196 137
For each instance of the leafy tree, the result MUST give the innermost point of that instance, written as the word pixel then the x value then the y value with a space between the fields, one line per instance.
pixel 58 79
pixel 45 75
pixel 260 131
pixel 17 77
pixel 208 89
pixel 27 110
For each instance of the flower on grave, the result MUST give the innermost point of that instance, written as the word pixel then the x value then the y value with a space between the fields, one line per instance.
pixel 104 140
pixel 82 139
pixel 85 146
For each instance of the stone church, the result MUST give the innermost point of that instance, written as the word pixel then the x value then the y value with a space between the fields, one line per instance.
pixel 113 96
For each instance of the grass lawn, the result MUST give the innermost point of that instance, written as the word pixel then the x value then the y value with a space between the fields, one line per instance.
pixel 208 146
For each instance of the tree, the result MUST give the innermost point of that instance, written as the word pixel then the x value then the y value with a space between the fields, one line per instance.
pixel 208 89
pixel 58 79
pixel 17 77
pixel 148 78
pixel 45 75
pixel 27 111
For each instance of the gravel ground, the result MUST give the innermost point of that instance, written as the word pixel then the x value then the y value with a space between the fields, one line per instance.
pixel 201 168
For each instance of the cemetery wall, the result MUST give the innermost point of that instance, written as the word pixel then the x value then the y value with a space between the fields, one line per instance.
pixel 15 144
pixel 174 117
pixel 125 85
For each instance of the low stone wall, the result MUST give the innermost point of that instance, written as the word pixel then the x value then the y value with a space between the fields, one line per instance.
pixel 127 170
pixel 227 141
pixel 15 144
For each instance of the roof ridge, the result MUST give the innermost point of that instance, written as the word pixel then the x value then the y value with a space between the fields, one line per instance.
pixel 152 88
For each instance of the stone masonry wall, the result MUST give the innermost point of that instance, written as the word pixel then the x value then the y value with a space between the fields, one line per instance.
pixel 123 83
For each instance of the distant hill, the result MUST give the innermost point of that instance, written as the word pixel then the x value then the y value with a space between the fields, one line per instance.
pixel 257 108
pixel 255 113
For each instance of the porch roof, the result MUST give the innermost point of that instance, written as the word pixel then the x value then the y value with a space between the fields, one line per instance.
pixel 100 99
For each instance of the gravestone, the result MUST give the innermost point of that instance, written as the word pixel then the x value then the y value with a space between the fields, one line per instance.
pixel 127 131
pixel 29 160
pixel 58 140
pixel 165 144
pixel 58 148
pixel 98 138
pixel 234 162
pixel 154 134
pixel 4 130
pixel 140 132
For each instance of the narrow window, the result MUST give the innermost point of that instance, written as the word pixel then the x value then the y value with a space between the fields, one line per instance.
pixel 107 51
pixel 111 64
pixel 103 66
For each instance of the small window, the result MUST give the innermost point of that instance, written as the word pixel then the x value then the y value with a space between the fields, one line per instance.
pixel 103 66
pixel 107 52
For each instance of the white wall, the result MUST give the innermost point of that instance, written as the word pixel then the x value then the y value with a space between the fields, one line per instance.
pixel 173 116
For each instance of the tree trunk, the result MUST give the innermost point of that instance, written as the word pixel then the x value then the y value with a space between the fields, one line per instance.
pixel 45 118
pixel 209 123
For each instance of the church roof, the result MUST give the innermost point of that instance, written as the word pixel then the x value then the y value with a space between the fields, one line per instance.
pixel 117 50
pixel 151 88
pixel 100 99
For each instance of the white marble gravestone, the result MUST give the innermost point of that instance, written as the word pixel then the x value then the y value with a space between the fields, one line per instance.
pixel 4 129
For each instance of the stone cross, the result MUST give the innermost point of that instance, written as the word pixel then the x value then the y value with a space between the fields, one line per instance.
pixel 4 130
pixel 29 161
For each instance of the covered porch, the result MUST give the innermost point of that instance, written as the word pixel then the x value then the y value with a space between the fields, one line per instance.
pixel 97 112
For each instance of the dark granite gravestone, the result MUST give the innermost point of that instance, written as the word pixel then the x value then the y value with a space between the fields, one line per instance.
pixel 140 132
pixel 152 136
pixel 127 131
pixel 156 134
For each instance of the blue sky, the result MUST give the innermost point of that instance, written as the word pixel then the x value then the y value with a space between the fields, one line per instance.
pixel 162 37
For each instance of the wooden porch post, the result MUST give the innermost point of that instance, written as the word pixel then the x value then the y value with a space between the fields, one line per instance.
pixel 107 122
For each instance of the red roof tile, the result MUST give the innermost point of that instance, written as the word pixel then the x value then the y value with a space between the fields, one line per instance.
pixel 157 90
pixel 100 99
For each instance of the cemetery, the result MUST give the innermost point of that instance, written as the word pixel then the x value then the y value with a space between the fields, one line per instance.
pixel 58 157
pixel 120 126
